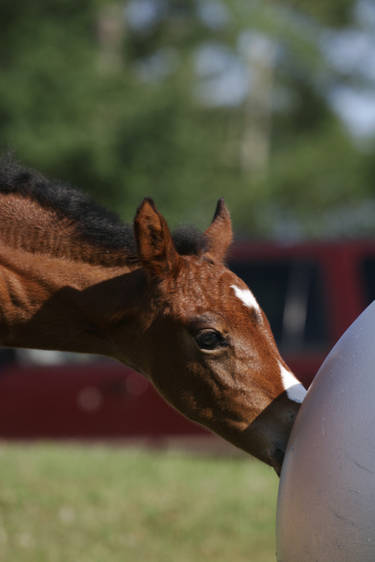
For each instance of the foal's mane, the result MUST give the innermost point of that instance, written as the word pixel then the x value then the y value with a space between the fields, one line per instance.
pixel 94 224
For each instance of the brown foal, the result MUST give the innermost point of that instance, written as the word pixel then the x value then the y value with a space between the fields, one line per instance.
pixel 73 278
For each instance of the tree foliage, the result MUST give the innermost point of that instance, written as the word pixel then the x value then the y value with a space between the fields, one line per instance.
pixel 119 106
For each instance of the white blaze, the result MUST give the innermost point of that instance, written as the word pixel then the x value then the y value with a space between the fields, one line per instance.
pixel 246 296
pixel 294 389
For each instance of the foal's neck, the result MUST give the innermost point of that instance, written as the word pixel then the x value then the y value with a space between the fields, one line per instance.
pixel 56 291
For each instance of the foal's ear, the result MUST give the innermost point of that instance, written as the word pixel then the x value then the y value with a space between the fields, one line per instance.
pixel 219 234
pixel 154 241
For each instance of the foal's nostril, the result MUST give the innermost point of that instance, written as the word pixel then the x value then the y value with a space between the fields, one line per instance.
pixel 292 416
pixel 277 460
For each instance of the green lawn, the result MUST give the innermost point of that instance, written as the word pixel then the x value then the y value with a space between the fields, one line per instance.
pixel 101 504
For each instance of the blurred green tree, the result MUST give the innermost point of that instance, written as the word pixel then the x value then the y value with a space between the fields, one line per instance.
pixel 185 102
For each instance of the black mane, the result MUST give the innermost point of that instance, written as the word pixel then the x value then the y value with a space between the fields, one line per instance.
pixel 94 224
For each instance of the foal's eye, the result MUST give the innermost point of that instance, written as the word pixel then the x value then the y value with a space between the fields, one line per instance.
pixel 210 339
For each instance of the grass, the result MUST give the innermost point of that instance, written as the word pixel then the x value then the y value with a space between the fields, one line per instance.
pixel 66 503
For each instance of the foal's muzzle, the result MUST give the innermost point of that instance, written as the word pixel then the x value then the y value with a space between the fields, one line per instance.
pixel 272 429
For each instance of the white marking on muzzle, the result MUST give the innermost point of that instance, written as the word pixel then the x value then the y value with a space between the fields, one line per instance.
pixel 294 389
pixel 246 296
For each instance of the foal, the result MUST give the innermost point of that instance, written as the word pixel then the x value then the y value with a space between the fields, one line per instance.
pixel 74 278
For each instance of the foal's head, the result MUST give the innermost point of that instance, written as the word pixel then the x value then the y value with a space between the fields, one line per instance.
pixel 208 346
